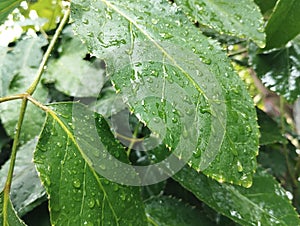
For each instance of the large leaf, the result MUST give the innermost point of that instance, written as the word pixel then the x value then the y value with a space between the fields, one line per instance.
pixel 11 216
pixel 6 7
pixel 239 18
pixel 279 70
pixel 167 211
pixel 65 155
pixel 257 205
pixel 17 72
pixel 177 81
pixel 25 179
pixel 284 23
pixel 72 74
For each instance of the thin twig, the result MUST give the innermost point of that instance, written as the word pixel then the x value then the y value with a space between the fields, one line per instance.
pixel 33 86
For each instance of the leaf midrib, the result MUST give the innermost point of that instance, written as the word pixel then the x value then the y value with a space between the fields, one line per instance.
pixel 70 135
pixel 130 20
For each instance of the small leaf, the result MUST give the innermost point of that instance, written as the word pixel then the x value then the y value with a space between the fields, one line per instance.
pixel 242 19
pixel 167 211
pixel 25 179
pixel 269 129
pixel 284 24
pixel 6 7
pixel 48 9
pixel 279 70
pixel 266 6
pixel 257 205
pixel 177 82
pixel 66 155
pixel 72 74
pixel 17 72
pixel 11 217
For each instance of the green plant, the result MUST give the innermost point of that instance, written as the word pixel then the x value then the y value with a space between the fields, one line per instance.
pixel 140 114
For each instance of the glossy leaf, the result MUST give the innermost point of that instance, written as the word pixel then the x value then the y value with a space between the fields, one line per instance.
pixel 17 72
pixel 257 205
pixel 25 179
pixel 168 211
pixel 269 129
pixel 6 7
pixel 242 19
pixel 65 154
pixel 284 24
pixel 12 217
pixel 279 70
pixel 177 81
pixel 72 74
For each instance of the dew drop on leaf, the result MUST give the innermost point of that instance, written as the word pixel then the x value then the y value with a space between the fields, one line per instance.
pixel 76 183
pixel 91 203
pixel 239 166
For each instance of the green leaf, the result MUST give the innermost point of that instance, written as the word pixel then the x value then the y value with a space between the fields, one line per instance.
pixel 269 129
pixel 17 72
pixel 257 205
pixel 72 74
pixel 49 9
pixel 12 217
pixel 279 70
pixel 167 211
pixel 242 19
pixel 25 179
pixel 177 81
pixel 266 6
pixel 284 24
pixel 6 7
pixel 65 156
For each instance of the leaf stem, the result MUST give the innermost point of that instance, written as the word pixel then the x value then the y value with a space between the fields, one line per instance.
pixel 40 71
pixel 12 97
pixel 13 160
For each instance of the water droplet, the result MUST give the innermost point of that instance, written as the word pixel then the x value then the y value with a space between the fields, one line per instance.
pixel 76 183
pixel 154 21
pixel 239 166
pixel 47 181
pixel 91 203
pixel 85 21
pixel 189 112
pixel 123 197
pixel 174 120
pixel 197 153
pixel 59 144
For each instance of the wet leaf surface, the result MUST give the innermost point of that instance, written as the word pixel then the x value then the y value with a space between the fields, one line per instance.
pixel 66 155
pixel 279 70
pixel 177 81
pixel 168 211
pixel 12 218
pixel 71 73
pixel 257 205
pixel 242 19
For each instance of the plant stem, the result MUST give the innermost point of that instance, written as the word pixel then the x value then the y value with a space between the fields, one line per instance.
pixel 12 97
pixel 33 86
pixel 13 160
